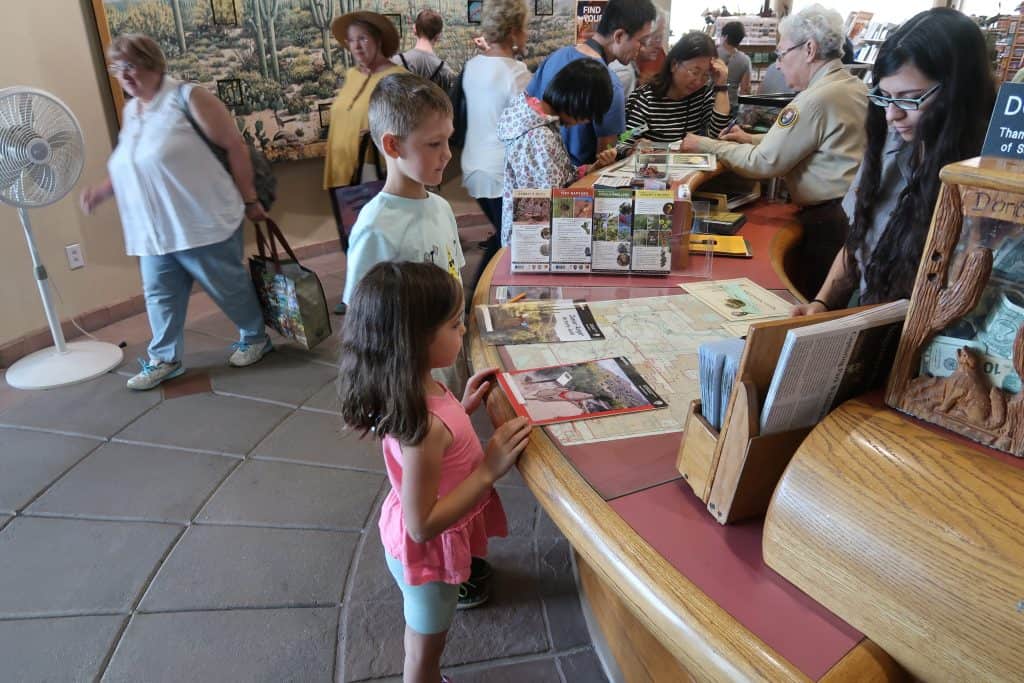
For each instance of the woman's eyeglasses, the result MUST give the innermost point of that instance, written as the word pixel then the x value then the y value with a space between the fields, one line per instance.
pixel 121 67
pixel 904 103
pixel 779 55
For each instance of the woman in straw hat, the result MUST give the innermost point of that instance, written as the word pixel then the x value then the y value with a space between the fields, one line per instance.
pixel 372 40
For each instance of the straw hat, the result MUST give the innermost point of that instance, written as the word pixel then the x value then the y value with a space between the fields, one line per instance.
pixel 389 35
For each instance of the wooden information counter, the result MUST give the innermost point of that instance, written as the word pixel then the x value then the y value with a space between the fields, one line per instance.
pixel 677 595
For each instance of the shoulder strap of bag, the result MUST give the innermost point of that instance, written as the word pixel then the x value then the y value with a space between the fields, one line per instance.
pixel 401 55
pixel 192 121
pixel 273 236
pixel 366 145
pixel 437 70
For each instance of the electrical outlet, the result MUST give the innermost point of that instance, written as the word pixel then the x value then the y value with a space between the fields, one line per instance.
pixel 76 259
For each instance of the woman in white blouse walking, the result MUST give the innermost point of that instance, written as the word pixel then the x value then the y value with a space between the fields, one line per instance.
pixel 181 210
pixel 491 81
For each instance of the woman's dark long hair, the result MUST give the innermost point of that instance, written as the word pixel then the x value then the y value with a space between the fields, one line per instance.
pixel 385 347
pixel 948 48
pixel 692 45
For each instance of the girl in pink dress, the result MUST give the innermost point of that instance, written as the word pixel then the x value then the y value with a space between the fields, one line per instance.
pixel 404 320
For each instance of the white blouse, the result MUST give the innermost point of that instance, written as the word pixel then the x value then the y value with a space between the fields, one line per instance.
pixel 172 192
pixel 491 84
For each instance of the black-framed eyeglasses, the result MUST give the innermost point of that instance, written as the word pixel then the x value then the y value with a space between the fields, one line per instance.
pixel 779 55
pixel 904 103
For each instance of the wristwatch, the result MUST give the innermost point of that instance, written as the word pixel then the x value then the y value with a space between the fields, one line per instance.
pixel 721 88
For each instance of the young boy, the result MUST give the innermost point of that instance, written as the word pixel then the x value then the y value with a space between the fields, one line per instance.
pixel 410 121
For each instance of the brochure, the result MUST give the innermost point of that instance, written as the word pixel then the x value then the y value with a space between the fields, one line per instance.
pixel 572 216
pixel 652 230
pixel 739 298
pixel 535 322
pixel 579 391
pixel 720 245
pixel 531 231
pixel 613 229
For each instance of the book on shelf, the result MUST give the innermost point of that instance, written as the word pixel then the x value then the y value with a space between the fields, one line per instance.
pixel 531 231
pixel 579 391
pixel 822 365
pixel 572 222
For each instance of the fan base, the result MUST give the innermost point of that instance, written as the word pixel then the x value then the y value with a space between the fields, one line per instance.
pixel 49 369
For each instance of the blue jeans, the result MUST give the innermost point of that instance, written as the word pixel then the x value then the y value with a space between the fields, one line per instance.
pixel 167 283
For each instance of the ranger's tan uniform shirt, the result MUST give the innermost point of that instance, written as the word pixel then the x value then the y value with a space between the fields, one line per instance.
pixel 816 144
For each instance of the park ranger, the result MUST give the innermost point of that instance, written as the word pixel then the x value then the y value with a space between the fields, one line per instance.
pixel 817 141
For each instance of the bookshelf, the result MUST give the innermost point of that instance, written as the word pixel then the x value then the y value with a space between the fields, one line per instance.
pixel 759 45
pixel 1009 33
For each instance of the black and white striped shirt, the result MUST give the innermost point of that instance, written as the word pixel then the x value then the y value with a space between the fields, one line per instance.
pixel 668 120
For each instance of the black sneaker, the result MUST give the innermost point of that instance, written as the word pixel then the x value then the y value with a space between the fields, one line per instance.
pixel 479 570
pixel 473 594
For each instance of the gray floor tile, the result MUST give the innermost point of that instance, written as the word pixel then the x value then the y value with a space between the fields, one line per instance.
pixel 136 482
pixel 242 645
pixel 64 649
pixel 560 595
pixel 100 407
pixel 521 510
pixel 69 566
pixel 536 671
pixel 326 352
pixel 325 399
pixel 278 377
pixel 319 438
pixel 3 521
pixel 546 527
pixel 217 567
pixel 220 424
pixel 262 493
pixel 511 624
pixel 201 352
pixel 372 581
pixel 30 461
pixel 583 666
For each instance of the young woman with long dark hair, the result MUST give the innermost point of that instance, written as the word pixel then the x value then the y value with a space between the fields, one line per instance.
pixel 933 95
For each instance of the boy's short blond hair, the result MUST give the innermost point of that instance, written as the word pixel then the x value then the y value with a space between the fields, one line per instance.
pixel 402 102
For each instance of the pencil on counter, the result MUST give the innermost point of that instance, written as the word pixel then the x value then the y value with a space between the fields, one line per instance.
pixel 518 297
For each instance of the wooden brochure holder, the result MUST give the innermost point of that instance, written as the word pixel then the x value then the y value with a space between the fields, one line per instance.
pixel 735 471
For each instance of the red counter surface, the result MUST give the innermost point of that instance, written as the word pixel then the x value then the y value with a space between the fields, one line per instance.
pixel 638 480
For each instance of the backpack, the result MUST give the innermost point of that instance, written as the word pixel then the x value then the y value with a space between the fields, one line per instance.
pixel 460 115
pixel 262 172
pixel 437 77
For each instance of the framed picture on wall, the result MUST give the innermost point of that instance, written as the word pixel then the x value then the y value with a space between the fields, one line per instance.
pixel 277 70
pixel 544 8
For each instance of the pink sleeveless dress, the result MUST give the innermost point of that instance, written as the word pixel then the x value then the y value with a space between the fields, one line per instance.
pixel 447 556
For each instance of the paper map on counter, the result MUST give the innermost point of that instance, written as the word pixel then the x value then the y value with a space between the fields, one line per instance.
pixel 660 336
pixel 740 299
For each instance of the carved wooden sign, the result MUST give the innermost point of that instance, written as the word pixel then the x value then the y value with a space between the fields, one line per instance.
pixel 961 356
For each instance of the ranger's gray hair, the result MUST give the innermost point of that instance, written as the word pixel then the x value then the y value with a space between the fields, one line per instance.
pixel 817 24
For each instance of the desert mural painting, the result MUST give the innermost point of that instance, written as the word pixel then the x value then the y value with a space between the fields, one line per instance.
pixel 276 64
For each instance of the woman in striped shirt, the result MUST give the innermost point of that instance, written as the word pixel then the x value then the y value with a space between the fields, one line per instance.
pixel 689 95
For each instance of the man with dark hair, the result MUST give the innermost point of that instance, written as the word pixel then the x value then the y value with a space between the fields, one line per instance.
pixel 421 59
pixel 624 25
pixel 733 34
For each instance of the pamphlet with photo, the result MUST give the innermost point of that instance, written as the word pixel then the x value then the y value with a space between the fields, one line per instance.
pixel 572 219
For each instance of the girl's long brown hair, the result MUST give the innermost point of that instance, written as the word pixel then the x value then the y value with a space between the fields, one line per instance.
pixel 385 343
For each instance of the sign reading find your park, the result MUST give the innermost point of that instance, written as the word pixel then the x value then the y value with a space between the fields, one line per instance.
pixel 1005 136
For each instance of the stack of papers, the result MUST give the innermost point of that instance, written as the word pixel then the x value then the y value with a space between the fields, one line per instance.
pixel 718 363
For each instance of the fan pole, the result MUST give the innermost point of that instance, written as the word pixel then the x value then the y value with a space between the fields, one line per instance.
pixel 42 280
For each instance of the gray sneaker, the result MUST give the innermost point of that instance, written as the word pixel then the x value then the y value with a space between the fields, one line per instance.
pixel 247 354
pixel 153 374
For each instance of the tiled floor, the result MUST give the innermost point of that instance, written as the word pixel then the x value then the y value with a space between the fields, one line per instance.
pixel 224 529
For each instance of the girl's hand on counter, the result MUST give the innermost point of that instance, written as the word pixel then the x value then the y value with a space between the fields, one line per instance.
pixel 736 134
